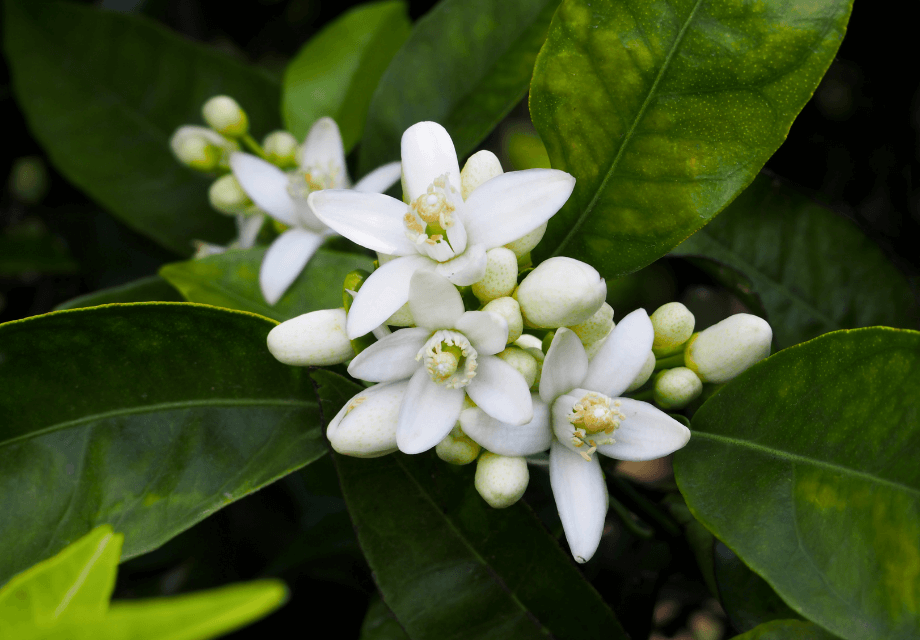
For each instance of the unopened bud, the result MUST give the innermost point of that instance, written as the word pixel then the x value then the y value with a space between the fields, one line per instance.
pixel 457 448
pixel 509 309
pixel 281 149
pixel 561 292
pixel 523 362
pixel 500 278
pixel 227 196
pixel 534 346
pixel 479 169
pixel 673 324
pixel 317 338
pixel 596 327
pixel 525 244
pixel 224 115
pixel 644 374
pixel 676 388
pixel 401 318
pixel 366 426
pixel 728 348
pixel 201 148
pixel 501 480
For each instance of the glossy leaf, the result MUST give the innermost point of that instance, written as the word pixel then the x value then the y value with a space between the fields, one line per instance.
pixel 149 289
pixel 231 280
pixel 148 417
pixel 75 585
pixel 83 79
pixel 450 566
pixel 466 64
pixel 813 270
pixel 336 72
pixel 799 466
pixel 380 623
pixel 665 111
pixel 787 630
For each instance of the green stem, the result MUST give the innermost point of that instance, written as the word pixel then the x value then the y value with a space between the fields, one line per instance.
pixel 670 362
pixel 648 507
pixel 250 142
pixel 638 527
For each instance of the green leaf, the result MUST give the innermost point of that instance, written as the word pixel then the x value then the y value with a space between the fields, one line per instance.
pixel 148 417
pixel 787 630
pixel 466 64
pixel 799 466
pixel 231 280
pixel 336 72
pixel 813 270
pixel 84 79
pixel 380 624
pixel 74 585
pixel 149 289
pixel 665 111
pixel 450 566
pixel 28 247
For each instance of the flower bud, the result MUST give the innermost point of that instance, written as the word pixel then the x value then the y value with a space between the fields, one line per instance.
pixel 501 480
pixel 457 448
pixel 596 327
pixel 644 374
pixel 561 292
pixel 317 338
pixel 366 426
pixel 534 346
pixel 509 309
pixel 525 244
pixel 200 148
pixel 224 115
pixel 281 149
pixel 500 278
pixel 479 169
pixel 402 317
pixel 676 388
pixel 522 361
pixel 227 196
pixel 728 348
pixel 673 324
pixel 29 179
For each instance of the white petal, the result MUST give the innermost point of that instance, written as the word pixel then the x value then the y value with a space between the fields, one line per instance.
pixel 508 439
pixel 366 426
pixel 427 153
pixel 323 149
pixel 501 391
pixel 488 332
pixel 622 355
pixel 456 233
pixel 581 498
pixel 380 179
pixel 514 204
pixel 372 220
pixel 266 184
pixel 467 268
pixel 647 433
pixel 392 358
pixel 435 303
pixel 428 413
pixel 285 259
pixel 564 366
pixel 248 228
pixel 305 216
pixel 382 294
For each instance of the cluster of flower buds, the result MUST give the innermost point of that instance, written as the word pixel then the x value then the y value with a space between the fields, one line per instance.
pixel 474 354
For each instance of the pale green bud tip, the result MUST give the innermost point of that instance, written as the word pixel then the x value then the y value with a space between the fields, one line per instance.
pixel 525 244
pixel 647 369
pixel 596 327
pixel 281 148
pixel 728 348
pixel 457 448
pixel 509 309
pixel 479 169
pixel 366 426
pixel 316 339
pixel 197 147
pixel 500 278
pixel 673 324
pixel 501 480
pixel 227 196
pixel 522 361
pixel 224 115
pixel 676 388
pixel 560 292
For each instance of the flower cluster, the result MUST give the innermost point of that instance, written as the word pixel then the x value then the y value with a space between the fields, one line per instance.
pixel 478 356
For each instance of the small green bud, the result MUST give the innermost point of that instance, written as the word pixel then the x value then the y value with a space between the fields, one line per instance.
pixel 509 309
pixel 673 324
pixel 227 196
pixel 501 480
pixel 526 243
pixel 352 284
pixel 281 149
pixel 728 348
pixel 676 388
pixel 201 148
pixel 224 115
pixel 522 361
pixel 457 448
pixel 479 169
pixel 500 278
pixel 596 327
pixel 29 179
pixel 647 369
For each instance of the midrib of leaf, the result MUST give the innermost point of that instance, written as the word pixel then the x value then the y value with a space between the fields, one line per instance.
pixel 163 406
pixel 629 134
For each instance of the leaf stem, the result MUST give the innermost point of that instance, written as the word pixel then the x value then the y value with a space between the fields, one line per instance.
pixel 632 521
pixel 253 146
pixel 648 507
pixel 670 362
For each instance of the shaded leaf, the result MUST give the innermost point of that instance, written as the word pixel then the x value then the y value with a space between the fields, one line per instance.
pixel 380 623
pixel 664 112
pixel 149 289
pixel 798 466
pixel 28 247
pixel 787 630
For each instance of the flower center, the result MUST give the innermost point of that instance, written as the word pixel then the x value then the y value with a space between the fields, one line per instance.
pixel 593 414
pixel 305 180
pixel 449 359
pixel 430 215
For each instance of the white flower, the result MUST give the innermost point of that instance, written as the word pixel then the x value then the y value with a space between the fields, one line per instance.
pixel 283 195
pixel 438 230
pixel 450 354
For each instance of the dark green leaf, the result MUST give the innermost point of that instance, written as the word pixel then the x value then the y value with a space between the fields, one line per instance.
pixel 787 630
pixel 450 566
pixel 28 247
pixel 802 466
pixel 665 111
pixel 336 72
pixel 150 289
pixel 466 64
pixel 813 270
pixel 85 79
pixel 231 280
pixel 380 623
pixel 148 417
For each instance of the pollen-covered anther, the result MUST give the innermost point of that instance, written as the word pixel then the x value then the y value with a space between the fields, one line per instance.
pixel 355 402
pixel 449 359
pixel 594 413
